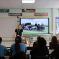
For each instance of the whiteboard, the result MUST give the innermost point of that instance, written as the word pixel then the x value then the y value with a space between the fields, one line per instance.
pixel 7 27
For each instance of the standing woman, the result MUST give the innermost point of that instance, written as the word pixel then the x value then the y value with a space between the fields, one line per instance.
pixel 19 31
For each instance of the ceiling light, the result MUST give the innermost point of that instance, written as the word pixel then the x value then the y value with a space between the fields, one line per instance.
pixel 28 1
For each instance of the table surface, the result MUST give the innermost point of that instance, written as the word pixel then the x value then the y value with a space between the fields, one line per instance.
pixel 28 51
pixel 27 45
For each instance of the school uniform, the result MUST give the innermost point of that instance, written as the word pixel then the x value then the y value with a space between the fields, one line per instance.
pixel 22 48
pixel 2 49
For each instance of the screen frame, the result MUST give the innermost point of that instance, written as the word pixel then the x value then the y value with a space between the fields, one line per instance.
pixel 37 18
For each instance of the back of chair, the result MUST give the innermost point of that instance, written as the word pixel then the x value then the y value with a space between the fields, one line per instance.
pixel 2 57
pixel 38 57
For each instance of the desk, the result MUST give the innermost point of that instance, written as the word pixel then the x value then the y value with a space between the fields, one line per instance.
pixel 28 51
pixel 27 45
pixel 31 45
pixel 51 50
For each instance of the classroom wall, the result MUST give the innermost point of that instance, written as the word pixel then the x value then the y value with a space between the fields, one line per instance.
pixel 56 12
pixel 29 15
pixel 6 41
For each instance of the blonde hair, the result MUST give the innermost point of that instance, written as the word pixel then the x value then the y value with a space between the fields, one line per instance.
pixel 18 27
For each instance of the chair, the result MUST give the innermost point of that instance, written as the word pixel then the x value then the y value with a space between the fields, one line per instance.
pixel 39 57
pixel 2 57
pixel 11 58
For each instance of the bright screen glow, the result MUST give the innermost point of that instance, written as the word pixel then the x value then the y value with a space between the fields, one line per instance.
pixel 35 25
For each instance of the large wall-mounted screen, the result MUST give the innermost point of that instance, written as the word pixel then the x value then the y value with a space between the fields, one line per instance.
pixel 35 25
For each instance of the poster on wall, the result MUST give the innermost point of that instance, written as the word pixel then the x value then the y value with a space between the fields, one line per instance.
pixel 33 39
pixel 57 25
pixel 4 10
pixel 14 14
pixel 27 40
pixel 40 14
pixel 28 10
pixel 57 36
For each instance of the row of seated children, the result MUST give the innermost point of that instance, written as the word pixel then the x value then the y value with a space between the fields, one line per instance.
pixel 39 48
pixel 15 48
pixel 52 45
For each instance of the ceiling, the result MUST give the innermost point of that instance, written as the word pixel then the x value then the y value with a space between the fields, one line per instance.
pixel 37 4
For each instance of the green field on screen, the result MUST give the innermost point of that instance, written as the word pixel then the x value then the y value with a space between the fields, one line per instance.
pixel 36 32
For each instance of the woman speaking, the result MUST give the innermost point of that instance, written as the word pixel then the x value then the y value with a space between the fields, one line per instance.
pixel 19 31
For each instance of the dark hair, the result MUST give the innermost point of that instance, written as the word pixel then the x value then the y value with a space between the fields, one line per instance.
pixel 0 39
pixel 57 53
pixel 37 40
pixel 17 41
pixel 54 40
pixel 41 42
pixel 20 55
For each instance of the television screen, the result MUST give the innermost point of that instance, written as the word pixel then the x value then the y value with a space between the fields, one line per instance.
pixel 35 25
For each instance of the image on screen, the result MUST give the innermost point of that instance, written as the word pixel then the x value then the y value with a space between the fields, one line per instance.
pixel 35 25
